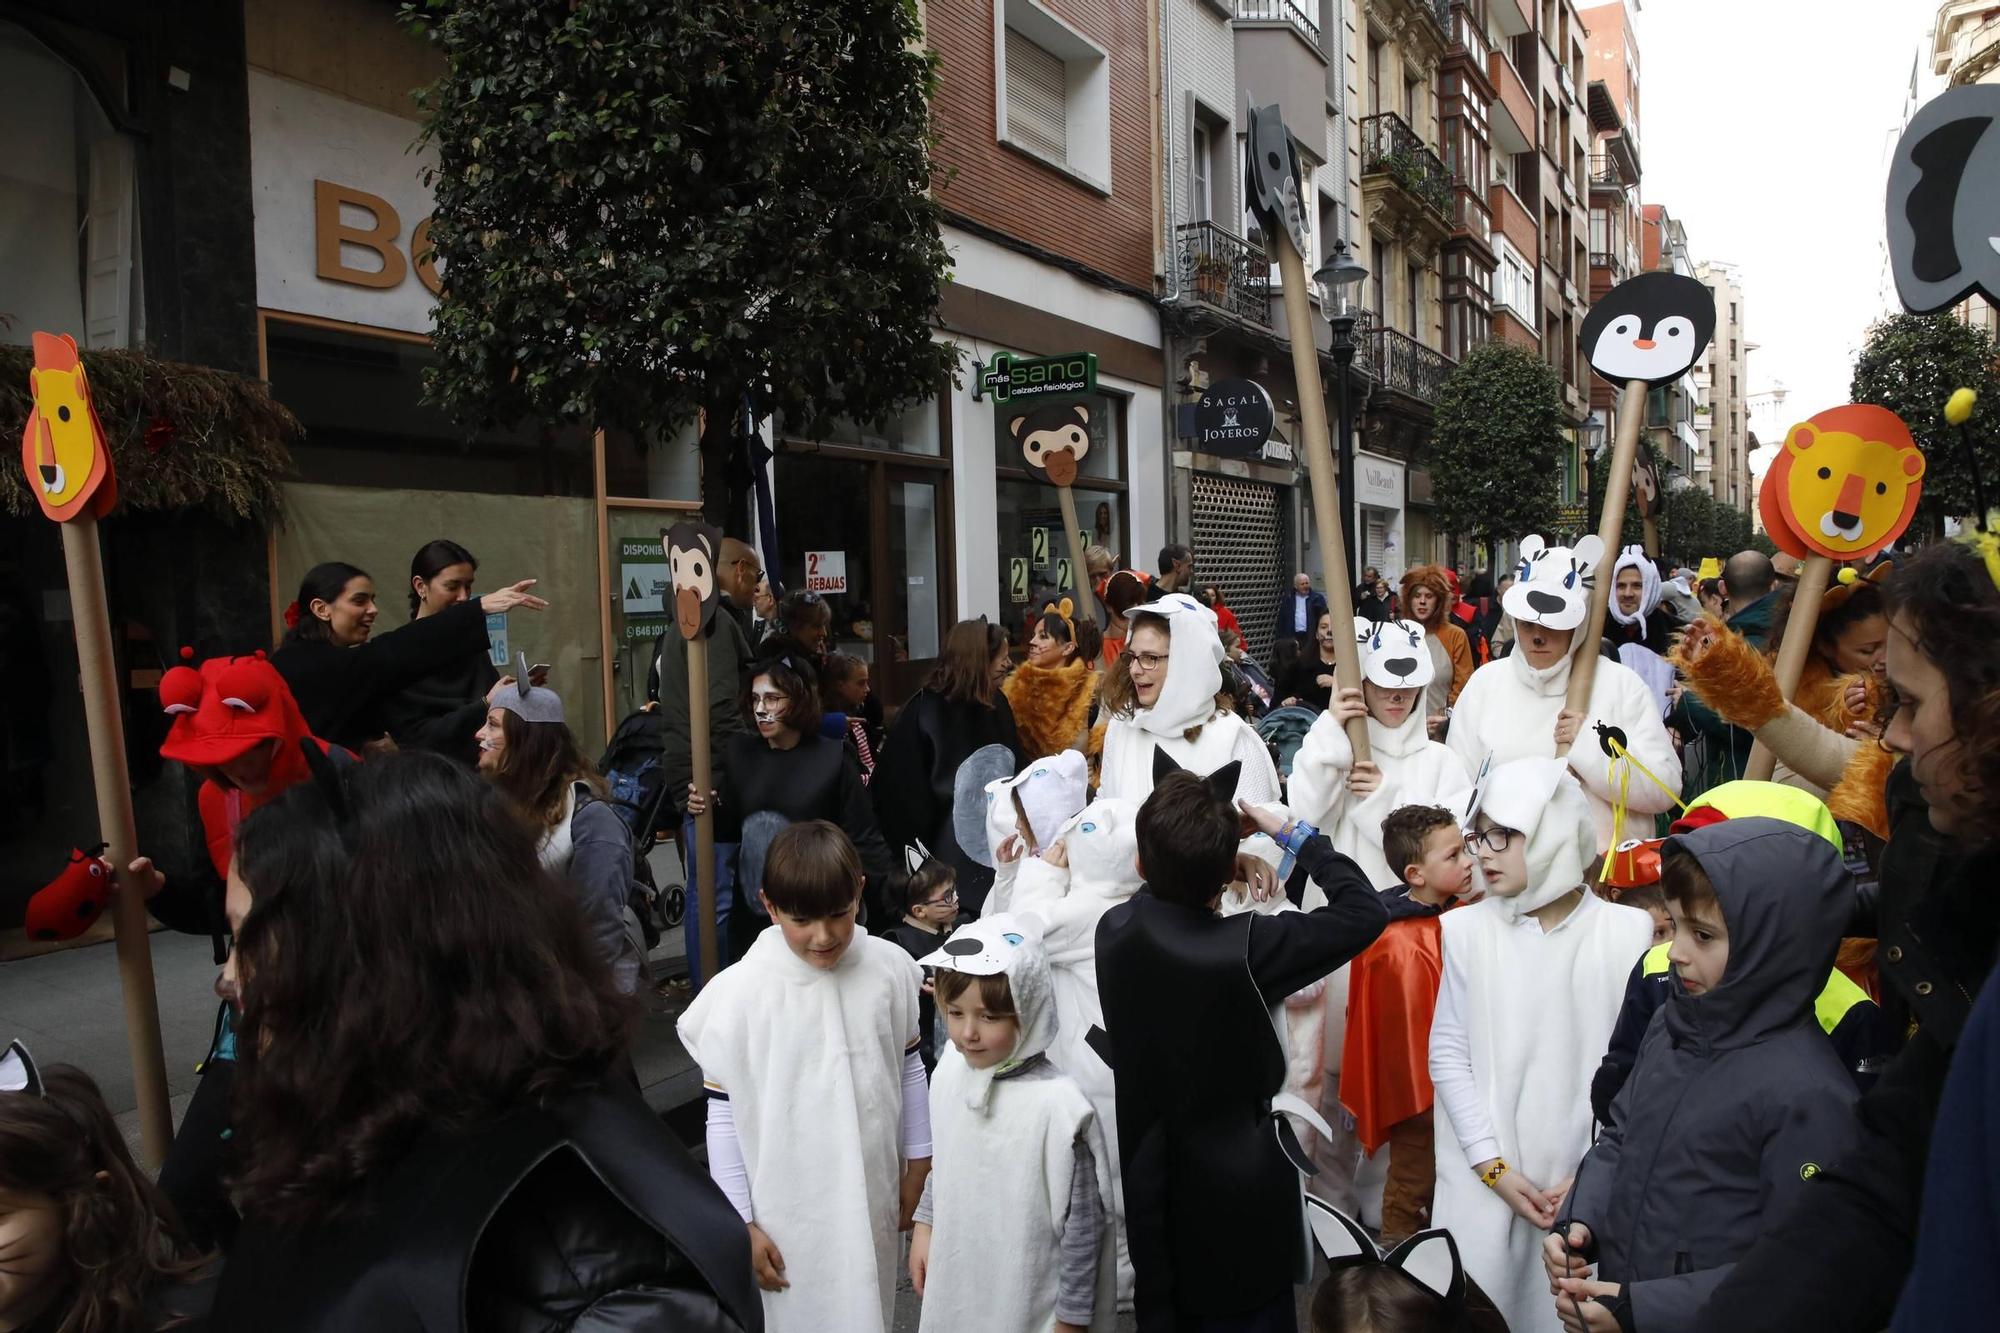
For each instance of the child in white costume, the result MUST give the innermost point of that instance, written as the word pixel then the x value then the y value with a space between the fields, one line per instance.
pixel 808 1051
pixel 1511 708
pixel 1089 871
pixel 1533 978
pixel 1026 813
pixel 1408 767
pixel 1010 1233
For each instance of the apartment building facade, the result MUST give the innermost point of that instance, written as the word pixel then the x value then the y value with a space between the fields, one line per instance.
pixel 1728 442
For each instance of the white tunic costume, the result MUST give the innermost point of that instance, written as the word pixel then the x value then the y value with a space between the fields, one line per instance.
pixel 1523 1017
pixel 812 1062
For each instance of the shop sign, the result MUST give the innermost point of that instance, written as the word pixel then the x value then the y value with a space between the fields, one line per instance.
pixel 1233 419
pixel 1378 481
pixel 1038 542
pixel 1278 451
pixel 1063 573
pixel 1017 578
pixel 1011 378
pixel 826 571
pixel 644 575
pixel 496 639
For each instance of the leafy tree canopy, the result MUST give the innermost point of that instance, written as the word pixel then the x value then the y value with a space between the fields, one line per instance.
pixel 649 207
pixel 1498 445
pixel 1910 364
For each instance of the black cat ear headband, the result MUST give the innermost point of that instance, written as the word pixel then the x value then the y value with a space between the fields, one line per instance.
pixel 1222 782
pixel 1429 1258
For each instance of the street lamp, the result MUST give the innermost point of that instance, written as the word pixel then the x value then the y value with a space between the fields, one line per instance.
pixel 1340 280
pixel 1591 436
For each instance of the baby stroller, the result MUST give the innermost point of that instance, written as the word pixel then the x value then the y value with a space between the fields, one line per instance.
pixel 1284 731
pixel 638 792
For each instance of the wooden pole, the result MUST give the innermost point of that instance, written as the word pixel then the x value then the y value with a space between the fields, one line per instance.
pixel 1080 572
pixel 1610 531
pixel 607 651
pixel 704 782
pixel 1814 574
pixel 1319 471
pixel 97 670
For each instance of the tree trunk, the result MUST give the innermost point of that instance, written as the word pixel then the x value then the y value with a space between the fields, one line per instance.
pixel 725 463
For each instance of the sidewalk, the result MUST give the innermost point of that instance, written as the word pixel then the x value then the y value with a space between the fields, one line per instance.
pixel 66 1008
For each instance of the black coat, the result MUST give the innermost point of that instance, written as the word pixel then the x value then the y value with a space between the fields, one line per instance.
pixel 444 711
pixel 914 783
pixel 344 692
pixel 1836 1261
pixel 1187 1014
pixel 1287 621
pixel 588 1214
pixel 1656 632
pixel 815 779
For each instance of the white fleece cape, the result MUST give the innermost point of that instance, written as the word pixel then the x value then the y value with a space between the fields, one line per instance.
pixel 1415 771
pixel 812 1062
pixel 1523 1018
pixel 1508 710
pixel 1102 845
pixel 1004 1159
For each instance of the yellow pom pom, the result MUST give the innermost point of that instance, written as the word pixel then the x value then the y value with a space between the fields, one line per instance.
pixel 1958 407
pixel 1848 575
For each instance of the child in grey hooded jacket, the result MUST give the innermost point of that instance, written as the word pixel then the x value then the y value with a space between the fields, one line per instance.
pixel 1737 1096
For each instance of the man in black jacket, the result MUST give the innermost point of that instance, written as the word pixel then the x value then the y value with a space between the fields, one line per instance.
pixel 1299 610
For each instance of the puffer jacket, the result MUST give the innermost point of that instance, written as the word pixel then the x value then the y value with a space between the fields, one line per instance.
pixel 585 1215
pixel 1738 1097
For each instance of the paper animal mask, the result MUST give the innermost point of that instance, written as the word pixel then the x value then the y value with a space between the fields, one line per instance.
pixel 1652 328
pixel 1845 484
pixel 1944 200
pixel 63 452
pixel 691 552
pixel 63 908
pixel 1552 584
pixel 1645 486
pixel 1054 439
pixel 1429 1258
pixel 1275 180
pixel 1393 654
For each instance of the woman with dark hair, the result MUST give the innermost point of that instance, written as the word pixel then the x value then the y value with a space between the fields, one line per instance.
pixel 443 710
pixel 1122 591
pixel 962 708
pixel 1225 619
pixel 528 752
pixel 787 767
pixel 1837 1261
pixel 1053 694
pixel 805 621
pixel 435 1136
pixel 1308 682
pixel 343 678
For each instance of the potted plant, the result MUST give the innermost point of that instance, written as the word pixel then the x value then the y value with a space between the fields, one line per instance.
pixel 1211 278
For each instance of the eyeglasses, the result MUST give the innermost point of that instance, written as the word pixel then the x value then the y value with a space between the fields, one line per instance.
pixel 1495 839
pixel 1148 662
pixel 809 597
pixel 945 899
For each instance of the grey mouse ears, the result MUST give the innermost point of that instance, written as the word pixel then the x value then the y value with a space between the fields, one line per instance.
pixel 1429 1258
pixel 18 1072
pixel 1222 782
pixel 1944 200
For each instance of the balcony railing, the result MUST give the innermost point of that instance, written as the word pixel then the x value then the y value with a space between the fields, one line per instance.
pixel 1224 271
pixel 1402 363
pixel 1607 259
pixel 1279 11
pixel 1604 173
pixel 1391 147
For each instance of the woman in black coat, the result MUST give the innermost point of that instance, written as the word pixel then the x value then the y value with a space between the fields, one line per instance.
pixel 961 709
pixel 343 679
pixel 446 708
pixel 428 1145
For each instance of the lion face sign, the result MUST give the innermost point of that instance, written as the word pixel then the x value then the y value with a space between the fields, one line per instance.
pixel 1845 484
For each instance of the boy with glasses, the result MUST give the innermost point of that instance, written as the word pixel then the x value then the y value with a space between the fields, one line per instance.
pixel 1533 977
pixel 928 893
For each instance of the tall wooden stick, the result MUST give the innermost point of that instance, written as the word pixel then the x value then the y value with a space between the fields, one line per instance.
pixel 1814 574
pixel 1080 572
pixel 1319 471
pixel 704 782
pixel 98 671
pixel 1610 531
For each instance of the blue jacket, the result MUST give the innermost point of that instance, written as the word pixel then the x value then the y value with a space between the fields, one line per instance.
pixel 1287 623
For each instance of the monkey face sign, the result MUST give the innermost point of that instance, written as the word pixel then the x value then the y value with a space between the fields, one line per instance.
pixel 691 549
pixel 1054 439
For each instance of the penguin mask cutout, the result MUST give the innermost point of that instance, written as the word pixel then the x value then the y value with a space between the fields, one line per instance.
pixel 1429 1258
pixel 1944 201
pixel 1653 327
pixel 691 554
pixel 1393 654
pixel 1552 583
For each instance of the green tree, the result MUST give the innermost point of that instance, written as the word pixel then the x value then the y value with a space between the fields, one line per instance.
pixel 1910 364
pixel 1498 445
pixel 1687 525
pixel 647 210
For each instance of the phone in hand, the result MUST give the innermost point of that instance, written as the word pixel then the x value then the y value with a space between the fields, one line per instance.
pixel 538 674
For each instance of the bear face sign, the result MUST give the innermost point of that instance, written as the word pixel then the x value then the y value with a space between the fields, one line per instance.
pixel 1845 485
pixel 1054 439
pixel 691 549
pixel 1393 653
pixel 1653 327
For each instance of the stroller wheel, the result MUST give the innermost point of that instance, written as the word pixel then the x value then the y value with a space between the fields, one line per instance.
pixel 672 906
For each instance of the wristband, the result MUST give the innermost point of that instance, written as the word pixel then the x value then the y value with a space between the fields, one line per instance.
pixel 1293 835
pixel 1490 1177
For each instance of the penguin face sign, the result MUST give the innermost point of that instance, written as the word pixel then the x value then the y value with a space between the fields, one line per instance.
pixel 1054 439
pixel 1652 328
pixel 1393 653
pixel 691 559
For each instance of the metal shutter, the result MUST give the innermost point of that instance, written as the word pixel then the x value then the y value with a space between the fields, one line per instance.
pixel 1375 542
pixel 1037 97
pixel 1239 546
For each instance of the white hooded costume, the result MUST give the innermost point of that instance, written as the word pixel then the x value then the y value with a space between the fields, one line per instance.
pixel 1415 769
pixel 1103 847
pixel 1523 1017
pixel 1508 709
pixel 1005 1155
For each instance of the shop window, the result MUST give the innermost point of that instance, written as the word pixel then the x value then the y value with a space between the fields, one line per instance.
pixel 913 431
pixel 69 213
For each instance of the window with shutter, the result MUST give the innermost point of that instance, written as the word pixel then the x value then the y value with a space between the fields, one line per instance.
pixel 1201 201
pixel 1037 98
pixel 109 235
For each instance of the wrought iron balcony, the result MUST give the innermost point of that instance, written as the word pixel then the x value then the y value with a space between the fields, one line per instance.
pixel 1390 147
pixel 1224 271
pixel 1403 364
pixel 1610 260
pixel 1279 11
pixel 1605 174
